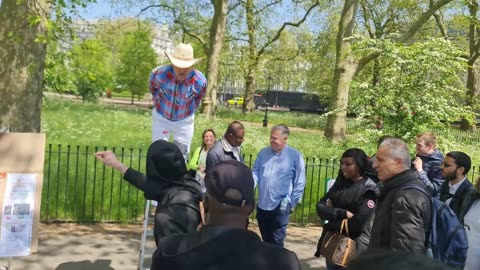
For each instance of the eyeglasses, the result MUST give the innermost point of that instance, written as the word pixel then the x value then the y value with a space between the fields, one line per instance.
pixel 446 165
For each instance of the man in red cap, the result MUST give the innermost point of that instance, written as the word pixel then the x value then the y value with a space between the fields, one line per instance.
pixel 177 91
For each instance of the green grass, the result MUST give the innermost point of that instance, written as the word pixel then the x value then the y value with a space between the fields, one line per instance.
pixel 78 188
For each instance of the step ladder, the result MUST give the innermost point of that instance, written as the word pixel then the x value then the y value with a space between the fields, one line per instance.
pixel 147 242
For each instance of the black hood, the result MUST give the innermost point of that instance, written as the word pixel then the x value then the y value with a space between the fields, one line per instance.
pixel 166 169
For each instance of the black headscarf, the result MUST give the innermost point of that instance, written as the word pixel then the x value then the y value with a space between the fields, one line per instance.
pixel 166 169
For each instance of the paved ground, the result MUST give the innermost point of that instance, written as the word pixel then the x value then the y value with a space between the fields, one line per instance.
pixel 105 247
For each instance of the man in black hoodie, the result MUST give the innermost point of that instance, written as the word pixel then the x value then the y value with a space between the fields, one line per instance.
pixel 224 242
pixel 166 182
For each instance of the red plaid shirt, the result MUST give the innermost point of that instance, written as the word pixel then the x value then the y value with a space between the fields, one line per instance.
pixel 176 100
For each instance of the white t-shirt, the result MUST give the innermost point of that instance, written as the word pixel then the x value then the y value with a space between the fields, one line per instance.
pixel 472 220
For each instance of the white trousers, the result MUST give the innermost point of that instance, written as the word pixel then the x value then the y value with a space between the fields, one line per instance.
pixel 182 131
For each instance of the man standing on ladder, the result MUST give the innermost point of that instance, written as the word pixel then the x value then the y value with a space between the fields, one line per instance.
pixel 177 90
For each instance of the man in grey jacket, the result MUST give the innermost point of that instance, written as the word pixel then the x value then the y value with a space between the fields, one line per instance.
pixel 403 213
pixel 227 147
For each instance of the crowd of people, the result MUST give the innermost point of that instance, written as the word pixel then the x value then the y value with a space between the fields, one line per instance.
pixel 201 220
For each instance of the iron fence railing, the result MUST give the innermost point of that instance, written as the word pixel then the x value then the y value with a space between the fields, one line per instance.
pixel 78 188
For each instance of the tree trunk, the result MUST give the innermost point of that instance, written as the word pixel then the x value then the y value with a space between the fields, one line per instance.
pixel 22 58
pixel 250 86
pixel 345 68
pixel 345 64
pixel 472 94
pixel 217 34
pixel 248 104
pixel 254 54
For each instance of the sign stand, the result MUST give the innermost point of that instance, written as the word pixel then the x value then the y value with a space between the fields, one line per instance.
pixel 21 179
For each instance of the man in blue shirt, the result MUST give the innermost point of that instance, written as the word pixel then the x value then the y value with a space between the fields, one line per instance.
pixel 279 172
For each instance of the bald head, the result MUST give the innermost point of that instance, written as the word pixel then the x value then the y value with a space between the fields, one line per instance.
pixel 234 134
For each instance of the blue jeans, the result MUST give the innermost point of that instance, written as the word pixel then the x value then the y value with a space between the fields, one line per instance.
pixel 273 225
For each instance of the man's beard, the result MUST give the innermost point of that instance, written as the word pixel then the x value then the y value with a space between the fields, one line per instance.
pixel 450 177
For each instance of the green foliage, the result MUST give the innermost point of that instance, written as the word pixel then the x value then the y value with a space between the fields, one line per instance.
pixel 136 59
pixel 420 88
pixel 57 78
pixel 91 69
pixel 89 191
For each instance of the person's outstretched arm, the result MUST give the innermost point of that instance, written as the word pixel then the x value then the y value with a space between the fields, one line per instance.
pixel 136 178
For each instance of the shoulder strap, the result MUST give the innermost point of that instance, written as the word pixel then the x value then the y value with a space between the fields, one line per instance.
pixel 199 152
pixel 410 186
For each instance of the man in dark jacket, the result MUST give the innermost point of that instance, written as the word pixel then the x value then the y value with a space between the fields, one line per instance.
pixel 167 183
pixel 453 191
pixel 428 161
pixel 228 147
pixel 402 217
pixel 224 242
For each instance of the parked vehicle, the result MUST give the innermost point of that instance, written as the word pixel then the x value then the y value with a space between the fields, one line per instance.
pixel 235 101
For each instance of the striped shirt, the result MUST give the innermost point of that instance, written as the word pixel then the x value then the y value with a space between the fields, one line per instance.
pixel 176 100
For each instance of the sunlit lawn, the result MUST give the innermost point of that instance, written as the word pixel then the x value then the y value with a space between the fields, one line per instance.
pixel 77 187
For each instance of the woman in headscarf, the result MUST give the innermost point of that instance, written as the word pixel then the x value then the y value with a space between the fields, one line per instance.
pixel 167 182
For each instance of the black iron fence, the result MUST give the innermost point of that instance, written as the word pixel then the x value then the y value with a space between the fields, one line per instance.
pixel 78 188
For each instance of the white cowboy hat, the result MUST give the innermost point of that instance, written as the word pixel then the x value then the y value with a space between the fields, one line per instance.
pixel 182 57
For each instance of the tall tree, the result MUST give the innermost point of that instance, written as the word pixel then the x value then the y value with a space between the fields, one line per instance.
pixel 473 54
pixel 136 59
pixel 217 36
pixel 256 48
pixel 188 18
pixel 22 56
pixel 347 66
pixel 91 69
pixel 421 88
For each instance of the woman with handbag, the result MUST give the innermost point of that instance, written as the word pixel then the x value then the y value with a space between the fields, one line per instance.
pixel 345 208
pixel 197 162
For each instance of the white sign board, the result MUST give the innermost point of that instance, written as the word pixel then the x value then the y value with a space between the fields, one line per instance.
pixel 17 217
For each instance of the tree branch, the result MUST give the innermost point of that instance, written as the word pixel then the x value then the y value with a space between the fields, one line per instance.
pixel 188 32
pixel 407 35
pixel 476 53
pixel 422 20
pixel 232 7
pixel 439 22
pixel 297 53
pixel 154 6
pixel 366 18
pixel 267 6
pixel 279 32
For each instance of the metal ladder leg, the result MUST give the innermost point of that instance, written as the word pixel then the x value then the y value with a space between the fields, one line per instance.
pixel 141 256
